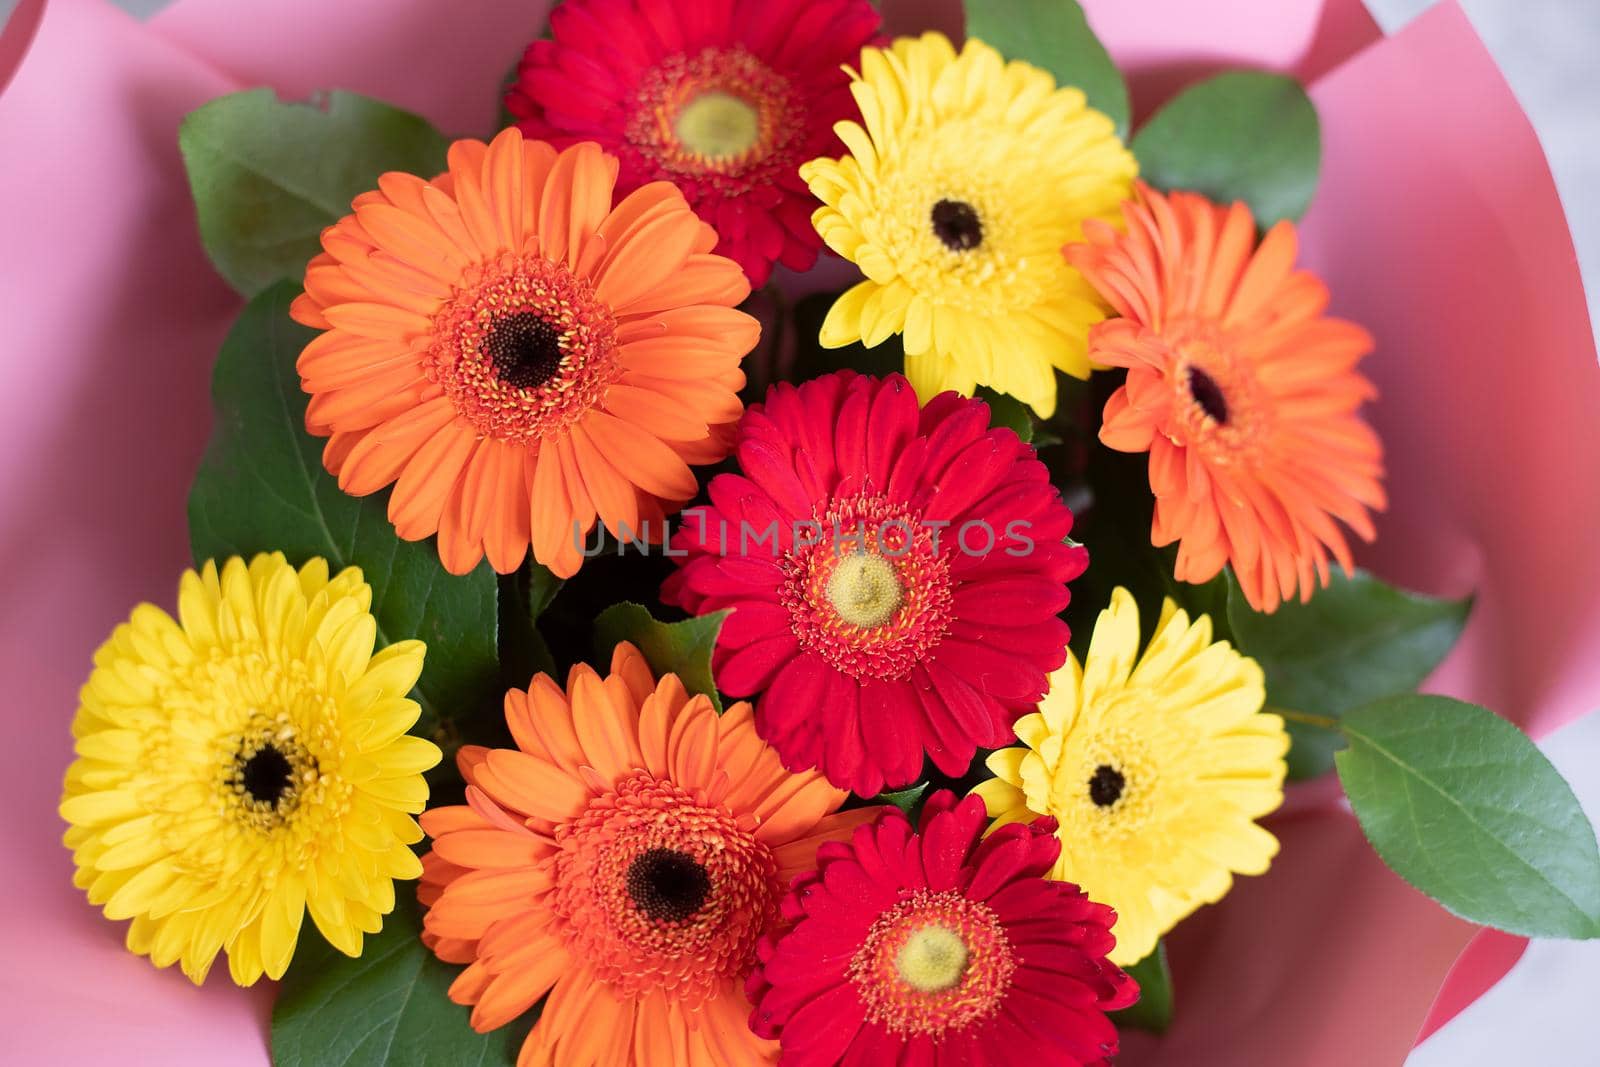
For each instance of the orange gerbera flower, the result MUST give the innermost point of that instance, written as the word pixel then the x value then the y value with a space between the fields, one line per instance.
pixel 1244 394
pixel 518 356
pixel 625 859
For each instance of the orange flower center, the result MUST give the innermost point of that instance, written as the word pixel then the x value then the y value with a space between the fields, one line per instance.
pixel 522 348
pixel 868 588
pixel 1205 391
pixel 717 115
pixel 659 890
pixel 1215 393
pixel 932 963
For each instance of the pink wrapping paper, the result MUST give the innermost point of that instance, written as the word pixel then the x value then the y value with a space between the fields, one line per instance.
pixel 1437 225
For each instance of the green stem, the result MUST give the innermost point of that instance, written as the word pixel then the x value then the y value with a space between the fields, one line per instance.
pixel 1305 718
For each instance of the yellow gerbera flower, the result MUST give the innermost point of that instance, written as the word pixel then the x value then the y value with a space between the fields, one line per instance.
pixel 1155 768
pixel 247 764
pixel 969 176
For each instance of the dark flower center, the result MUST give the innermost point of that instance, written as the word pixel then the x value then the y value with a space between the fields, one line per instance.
pixel 524 350
pixel 266 775
pixel 955 223
pixel 1208 394
pixel 667 885
pixel 1105 788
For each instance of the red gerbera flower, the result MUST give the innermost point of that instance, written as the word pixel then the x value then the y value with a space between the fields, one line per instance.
pixel 894 576
pixel 940 949
pixel 723 98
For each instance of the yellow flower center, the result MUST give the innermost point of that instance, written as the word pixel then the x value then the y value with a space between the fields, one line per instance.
pixel 720 116
pixel 932 964
pixel 1106 785
pixel 269 774
pixel 865 590
pixel 1115 781
pixel 956 224
pixel 933 959
pixel 719 125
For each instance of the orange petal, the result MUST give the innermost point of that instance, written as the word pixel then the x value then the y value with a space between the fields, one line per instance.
pixel 612 493
pixel 516 990
pixel 378 321
pixel 575 200
pixel 550 509
pixel 654 411
pixel 466 170
pixel 552 724
pixel 377 459
pixel 637 267
pixel 607 730
pixel 692 747
pixel 427 481
pixel 489 848
pixel 648 462
pixel 628 664
pixel 532 785
pixel 413 240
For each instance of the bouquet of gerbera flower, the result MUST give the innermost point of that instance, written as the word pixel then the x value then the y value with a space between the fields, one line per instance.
pixel 814 544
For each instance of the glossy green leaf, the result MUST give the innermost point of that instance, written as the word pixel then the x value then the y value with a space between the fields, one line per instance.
pixel 1461 804
pixel 267 176
pixel 1153 1012
pixel 386 1008
pixel 1356 641
pixel 542 589
pixel 523 650
pixel 904 799
pixel 1115 528
pixel 1054 35
pixel 682 648
pixel 1007 411
pixel 1245 135
pixel 261 487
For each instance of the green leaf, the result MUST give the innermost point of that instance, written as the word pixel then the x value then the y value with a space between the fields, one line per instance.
pixel 904 799
pixel 1153 1012
pixel 386 1008
pixel 261 487
pixel 1115 528
pixel 524 596
pixel 1054 35
pixel 1461 804
pixel 523 650
pixel 1356 641
pixel 682 648
pixel 542 589
pixel 1245 136
pixel 268 176
pixel 1007 411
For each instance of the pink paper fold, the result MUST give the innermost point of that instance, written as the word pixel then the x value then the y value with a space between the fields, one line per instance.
pixel 112 317
pixel 1437 225
pixel 444 60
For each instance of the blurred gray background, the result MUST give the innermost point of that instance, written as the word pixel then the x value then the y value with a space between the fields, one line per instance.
pixel 1543 1012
